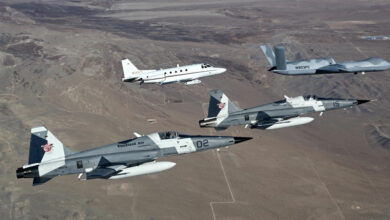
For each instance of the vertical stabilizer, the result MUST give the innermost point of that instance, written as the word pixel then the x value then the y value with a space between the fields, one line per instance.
pixel 37 141
pixel 47 151
pixel 280 58
pixel 128 69
pixel 220 105
pixel 44 146
pixel 269 54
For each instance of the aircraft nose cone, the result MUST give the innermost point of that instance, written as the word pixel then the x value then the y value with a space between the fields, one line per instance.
pixel 361 101
pixel 241 139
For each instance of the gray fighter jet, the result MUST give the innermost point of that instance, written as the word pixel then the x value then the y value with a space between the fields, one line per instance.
pixel 49 158
pixel 284 113
pixel 280 65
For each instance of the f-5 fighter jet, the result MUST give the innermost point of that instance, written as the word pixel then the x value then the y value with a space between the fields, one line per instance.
pixel 281 114
pixel 188 75
pixel 320 65
pixel 49 158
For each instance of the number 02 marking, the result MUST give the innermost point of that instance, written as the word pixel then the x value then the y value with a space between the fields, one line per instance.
pixel 204 143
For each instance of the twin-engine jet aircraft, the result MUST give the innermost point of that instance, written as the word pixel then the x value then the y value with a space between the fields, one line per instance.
pixel 280 65
pixel 49 158
pixel 189 75
pixel 284 113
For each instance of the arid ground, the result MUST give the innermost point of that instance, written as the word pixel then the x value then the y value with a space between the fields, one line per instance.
pixel 60 67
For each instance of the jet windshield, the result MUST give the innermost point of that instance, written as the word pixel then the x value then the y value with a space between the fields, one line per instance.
pixel 308 97
pixel 168 135
pixel 205 65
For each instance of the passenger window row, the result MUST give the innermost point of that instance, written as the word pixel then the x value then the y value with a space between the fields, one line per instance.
pixel 170 72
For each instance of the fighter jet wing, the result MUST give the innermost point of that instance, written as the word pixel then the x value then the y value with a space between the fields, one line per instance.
pixel 337 68
pixel 276 119
pixel 106 172
pixel 270 120
pixel 350 70
pixel 101 173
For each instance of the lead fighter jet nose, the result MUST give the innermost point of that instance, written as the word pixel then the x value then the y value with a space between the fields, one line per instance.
pixel 361 101
pixel 241 139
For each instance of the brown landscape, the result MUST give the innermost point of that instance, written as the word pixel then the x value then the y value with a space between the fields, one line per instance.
pixel 60 67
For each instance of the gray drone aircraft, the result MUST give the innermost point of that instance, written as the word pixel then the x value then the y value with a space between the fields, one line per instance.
pixel 280 65
pixel 49 158
pixel 284 113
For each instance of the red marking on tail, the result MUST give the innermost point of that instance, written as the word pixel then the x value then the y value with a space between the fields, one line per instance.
pixel 221 105
pixel 47 147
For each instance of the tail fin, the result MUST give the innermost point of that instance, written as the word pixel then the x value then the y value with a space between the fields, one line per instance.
pixel 280 58
pixel 128 69
pixel 269 54
pixel 44 146
pixel 220 105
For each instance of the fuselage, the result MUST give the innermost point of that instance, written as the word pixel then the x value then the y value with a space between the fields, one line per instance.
pixel 264 116
pixel 304 67
pixel 180 74
pixel 328 65
pixel 126 154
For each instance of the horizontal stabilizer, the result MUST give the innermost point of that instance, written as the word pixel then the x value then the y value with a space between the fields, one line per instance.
pixel 40 180
pixel 269 54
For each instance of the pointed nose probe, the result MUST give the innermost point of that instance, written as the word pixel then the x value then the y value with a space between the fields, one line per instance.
pixel 241 139
pixel 362 101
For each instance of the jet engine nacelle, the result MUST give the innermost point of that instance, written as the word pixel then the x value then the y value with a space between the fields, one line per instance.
pixel 29 171
pixel 208 123
pixel 285 123
pixel 146 168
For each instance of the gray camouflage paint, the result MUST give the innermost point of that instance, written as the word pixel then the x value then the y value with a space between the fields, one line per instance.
pixel 107 161
pixel 264 116
pixel 320 65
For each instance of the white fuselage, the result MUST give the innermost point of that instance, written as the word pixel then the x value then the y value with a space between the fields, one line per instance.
pixel 180 74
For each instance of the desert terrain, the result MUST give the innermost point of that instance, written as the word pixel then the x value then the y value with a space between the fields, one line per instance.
pixel 60 67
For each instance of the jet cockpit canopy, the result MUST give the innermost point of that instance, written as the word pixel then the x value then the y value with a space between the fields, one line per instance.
pixel 310 97
pixel 205 65
pixel 168 135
